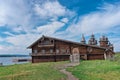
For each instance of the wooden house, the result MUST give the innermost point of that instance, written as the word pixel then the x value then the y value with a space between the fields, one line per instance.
pixel 49 49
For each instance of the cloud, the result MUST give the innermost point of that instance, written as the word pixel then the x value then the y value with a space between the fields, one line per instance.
pixel 51 28
pixel 116 42
pixel 104 21
pixel 98 21
pixel 20 17
pixel 19 43
pixel 13 13
pixel 1 48
pixel 65 20
pixel 8 33
pixel 24 25
pixel 13 50
pixel 51 9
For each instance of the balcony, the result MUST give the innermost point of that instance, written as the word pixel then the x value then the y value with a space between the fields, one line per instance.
pixel 47 54
pixel 45 45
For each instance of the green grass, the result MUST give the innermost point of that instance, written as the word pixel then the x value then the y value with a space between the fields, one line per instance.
pixel 38 71
pixel 117 57
pixel 97 70
pixel 87 70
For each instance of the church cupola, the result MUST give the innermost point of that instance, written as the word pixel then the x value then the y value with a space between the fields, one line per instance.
pixel 104 41
pixel 92 40
pixel 83 41
pixel 110 46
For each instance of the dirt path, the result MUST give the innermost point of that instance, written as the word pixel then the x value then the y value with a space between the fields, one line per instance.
pixel 69 74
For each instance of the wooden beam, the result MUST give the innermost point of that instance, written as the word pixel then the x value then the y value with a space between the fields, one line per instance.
pixel 54 50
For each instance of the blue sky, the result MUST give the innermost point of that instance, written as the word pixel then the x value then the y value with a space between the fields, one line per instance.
pixel 24 21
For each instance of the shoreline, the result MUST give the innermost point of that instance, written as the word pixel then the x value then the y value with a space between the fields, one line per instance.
pixel 10 60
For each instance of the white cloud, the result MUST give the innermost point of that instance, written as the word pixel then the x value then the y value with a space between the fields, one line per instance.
pixel 19 44
pixel 22 39
pixel 51 9
pixel 1 47
pixel 116 42
pixel 8 33
pixel 50 28
pixel 1 39
pixel 97 22
pixel 13 50
pixel 17 15
pixel 13 12
pixel 18 29
pixel 65 20
pixel 20 16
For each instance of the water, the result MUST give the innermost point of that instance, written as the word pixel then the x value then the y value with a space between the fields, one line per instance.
pixel 9 60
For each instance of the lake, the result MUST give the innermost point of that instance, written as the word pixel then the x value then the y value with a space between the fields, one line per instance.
pixel 9 60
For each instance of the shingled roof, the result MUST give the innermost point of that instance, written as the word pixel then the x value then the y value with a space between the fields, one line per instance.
pixel 67 41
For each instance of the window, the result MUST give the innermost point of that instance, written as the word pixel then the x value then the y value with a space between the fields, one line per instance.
pixel 51 50
pixel 63 50
pixel 46 42
pixel 35 51
pixel 67 50
pixel 57 50
pixel 43 51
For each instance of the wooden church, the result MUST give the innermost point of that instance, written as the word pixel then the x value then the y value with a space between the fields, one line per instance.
pixel 50 49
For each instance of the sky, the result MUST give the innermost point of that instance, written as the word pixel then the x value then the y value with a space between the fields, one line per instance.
pixel 24 21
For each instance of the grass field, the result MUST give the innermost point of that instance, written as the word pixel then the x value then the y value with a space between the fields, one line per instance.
pixel 39 71
pixel 97 70
pixel 87 70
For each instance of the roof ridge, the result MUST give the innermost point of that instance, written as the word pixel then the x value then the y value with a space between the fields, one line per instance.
pixel 78 43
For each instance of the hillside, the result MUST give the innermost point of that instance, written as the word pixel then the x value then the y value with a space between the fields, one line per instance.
pixel 97 69
pixel 39 71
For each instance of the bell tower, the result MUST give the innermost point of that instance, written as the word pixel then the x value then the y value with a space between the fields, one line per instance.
pixel 103 41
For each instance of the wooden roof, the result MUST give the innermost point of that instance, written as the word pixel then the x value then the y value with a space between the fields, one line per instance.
pixel 67 41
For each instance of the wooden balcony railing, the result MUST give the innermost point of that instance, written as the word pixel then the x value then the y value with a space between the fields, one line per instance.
pixel 47 54
pixel 47 45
